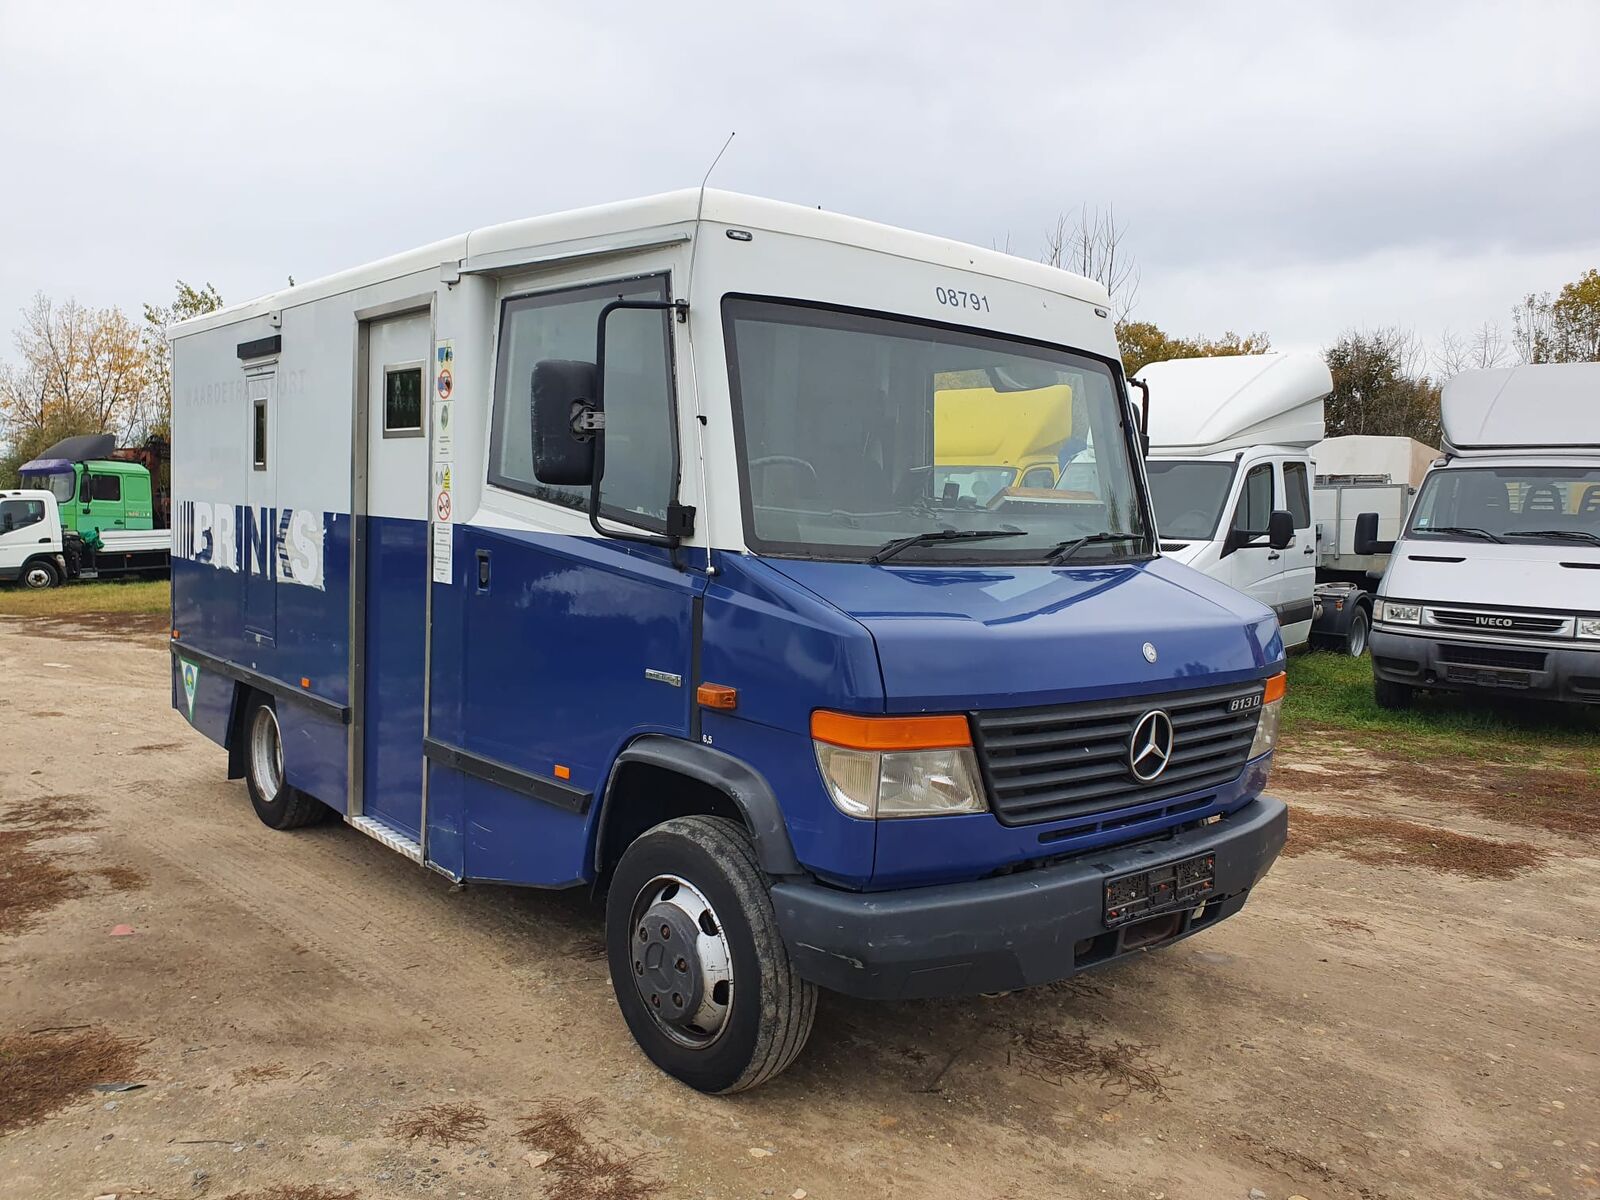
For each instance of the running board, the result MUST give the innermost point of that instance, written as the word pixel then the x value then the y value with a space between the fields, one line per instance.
pixel 388 835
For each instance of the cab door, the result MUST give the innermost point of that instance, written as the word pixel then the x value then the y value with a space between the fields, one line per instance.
pixel 100 500
pixel 1253 567
pixel 1299 561
pixel 22 528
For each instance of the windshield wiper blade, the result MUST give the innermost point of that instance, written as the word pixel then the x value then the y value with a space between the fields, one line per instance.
pixel 889 549
pixel 1580 535
pixel 1067 549
pixel 1465 530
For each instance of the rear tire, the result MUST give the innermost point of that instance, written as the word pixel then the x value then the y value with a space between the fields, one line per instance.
pixel 1393 696
pixel 699 969
pixel 277 804
pixel 1355 638
pixel 40 575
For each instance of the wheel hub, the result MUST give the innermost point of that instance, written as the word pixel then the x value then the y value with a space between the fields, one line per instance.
pixel 682 967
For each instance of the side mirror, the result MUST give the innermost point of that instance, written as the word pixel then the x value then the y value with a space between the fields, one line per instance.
pixel 1366 540
pixel 566 422
pixel 1280 529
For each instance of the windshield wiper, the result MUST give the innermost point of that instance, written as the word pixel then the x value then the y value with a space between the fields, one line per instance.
pixel 1580 535
pixel 889 549
pixel 1067 549
pixel 1464 530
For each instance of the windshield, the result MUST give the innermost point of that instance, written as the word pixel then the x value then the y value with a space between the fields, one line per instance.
pixel 1556 504
pixel 57 483
pixel 858 430
pixel 1188 496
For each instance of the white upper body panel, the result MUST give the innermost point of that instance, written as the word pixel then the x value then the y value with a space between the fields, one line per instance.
pixel 1532 409
pixel 1400 459
pixel 1205 405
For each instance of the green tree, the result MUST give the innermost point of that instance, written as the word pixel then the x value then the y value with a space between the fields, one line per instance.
pixel 1560 328
pixel 156 419
pixel 1143 342
pixel 1379 389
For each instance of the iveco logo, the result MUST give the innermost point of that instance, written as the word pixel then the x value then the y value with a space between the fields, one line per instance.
pixel 1498 622
pixel 1149 653
pixel 1150 747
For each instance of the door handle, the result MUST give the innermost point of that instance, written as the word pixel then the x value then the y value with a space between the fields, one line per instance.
pixel 1309 550
pixel 1273 555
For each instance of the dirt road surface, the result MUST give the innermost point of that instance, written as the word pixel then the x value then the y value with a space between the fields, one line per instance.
pixel 312 1016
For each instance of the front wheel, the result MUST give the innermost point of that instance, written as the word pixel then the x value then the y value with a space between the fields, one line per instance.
pixel 40 574
pixel 1392 696
pixel 698 966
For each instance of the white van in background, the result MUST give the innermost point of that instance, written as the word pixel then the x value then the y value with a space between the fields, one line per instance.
pixel 1494 584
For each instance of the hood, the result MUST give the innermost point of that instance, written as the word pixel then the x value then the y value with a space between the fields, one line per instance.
pixel 1515 575
pixel 1184 552
pixel 963 637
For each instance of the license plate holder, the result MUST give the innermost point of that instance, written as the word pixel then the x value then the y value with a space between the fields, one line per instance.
pixel 1187 883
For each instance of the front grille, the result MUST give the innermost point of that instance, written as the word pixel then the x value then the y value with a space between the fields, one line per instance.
pixel 1045 764
pixel 1497 622
pixel 1492 656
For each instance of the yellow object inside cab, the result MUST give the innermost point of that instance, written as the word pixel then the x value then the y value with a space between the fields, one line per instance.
pixel 986 440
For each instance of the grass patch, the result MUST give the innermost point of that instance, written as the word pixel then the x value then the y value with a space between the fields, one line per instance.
pixel 40 1073
pixel 578 1168
pixel 141 597
pixel 1331 692
pixel 1384 841
pixel 442 1124
pixel 1055 1057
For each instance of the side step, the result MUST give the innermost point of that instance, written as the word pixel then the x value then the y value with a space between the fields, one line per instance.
pixel 388 835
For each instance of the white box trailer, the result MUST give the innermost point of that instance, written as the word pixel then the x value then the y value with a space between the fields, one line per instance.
pixel 1361 473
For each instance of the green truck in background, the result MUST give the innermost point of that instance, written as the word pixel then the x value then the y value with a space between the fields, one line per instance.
pixel 113 504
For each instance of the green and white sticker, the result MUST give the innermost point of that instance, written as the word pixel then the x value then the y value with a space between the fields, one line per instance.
pixel 191 679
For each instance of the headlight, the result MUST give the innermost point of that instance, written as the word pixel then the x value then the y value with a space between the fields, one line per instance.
pixel 1271 713
pixel 1589 627
pixel 1399 614
pixel 882 767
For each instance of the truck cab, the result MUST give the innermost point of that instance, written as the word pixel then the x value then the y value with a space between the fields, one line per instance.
pixel 30 539
pixel 1493 587
pixel 1231 473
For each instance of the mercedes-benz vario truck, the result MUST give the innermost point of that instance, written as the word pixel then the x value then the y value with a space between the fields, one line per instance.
pixel 611 549
pixel 1493 588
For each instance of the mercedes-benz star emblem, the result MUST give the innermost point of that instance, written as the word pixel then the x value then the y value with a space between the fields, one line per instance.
pixel 1149 652
pixel 1150 746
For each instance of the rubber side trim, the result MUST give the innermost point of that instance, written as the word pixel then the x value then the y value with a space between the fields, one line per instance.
pixel 265 683
pixel 513 779
pixel 748 790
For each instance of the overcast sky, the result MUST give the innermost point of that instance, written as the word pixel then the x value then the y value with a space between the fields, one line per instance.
pixel 1291 168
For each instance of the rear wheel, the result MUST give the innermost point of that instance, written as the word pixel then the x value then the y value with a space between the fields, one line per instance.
pixel 1355 638
pixel 279 805
pixel 698 966
pixel 1391 695
pixel 40 574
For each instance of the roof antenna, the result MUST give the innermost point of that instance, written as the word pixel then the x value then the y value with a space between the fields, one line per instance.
pixel 700 208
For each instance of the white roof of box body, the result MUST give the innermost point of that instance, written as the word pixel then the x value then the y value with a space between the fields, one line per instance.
pixel 1402 459
pixel 1208 405
pixel 669 216
pixel 1549 407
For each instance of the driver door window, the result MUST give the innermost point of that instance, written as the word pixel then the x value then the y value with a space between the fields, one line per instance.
pixel 1254 509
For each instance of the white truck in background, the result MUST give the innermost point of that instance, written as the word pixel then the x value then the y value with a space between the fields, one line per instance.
pixel 1493 586
pixel 1235 444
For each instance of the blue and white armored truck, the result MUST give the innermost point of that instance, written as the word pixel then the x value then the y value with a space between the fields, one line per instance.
pixel 617 548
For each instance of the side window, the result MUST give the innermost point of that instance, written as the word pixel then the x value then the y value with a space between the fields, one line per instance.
pixel 402 401
pixel 1255 501
pixel 19 514
pixel 258 434
pixel 1038 477
pixel 638 482
pixel 106 487
pixel 1298 501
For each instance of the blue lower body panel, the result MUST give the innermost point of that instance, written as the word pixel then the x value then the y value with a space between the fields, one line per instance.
pixel 396 595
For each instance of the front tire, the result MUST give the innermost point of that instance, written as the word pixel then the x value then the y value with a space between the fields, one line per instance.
pixel 40 575
pixel 279 805
pixel 1392 696
pixel 698 966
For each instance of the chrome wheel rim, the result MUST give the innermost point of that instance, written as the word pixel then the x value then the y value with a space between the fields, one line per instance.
pixel 681 962
pixel 37 577
pixel 266 753
pixel 1358 640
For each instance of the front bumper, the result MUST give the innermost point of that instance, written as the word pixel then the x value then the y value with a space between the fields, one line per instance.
pixel 1536 670
pixel 1015 930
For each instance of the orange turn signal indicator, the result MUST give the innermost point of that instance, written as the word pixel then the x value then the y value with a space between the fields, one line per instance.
pixel 563 771
pixel 890 733
pixel 1277 688
pixel 717 695
pixel 305 682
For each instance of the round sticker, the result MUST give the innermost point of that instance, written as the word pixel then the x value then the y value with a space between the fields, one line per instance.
pixel 445 383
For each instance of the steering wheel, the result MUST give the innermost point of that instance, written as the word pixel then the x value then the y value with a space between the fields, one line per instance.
pixel 787 460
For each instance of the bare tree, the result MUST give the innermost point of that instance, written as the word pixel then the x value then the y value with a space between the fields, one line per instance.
pixel 1483 348
pixel 1092 244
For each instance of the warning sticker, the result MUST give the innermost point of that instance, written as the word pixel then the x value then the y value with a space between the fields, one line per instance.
pixel 444 442
pixel 444 378
pixel 442 504
pixel 443 559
